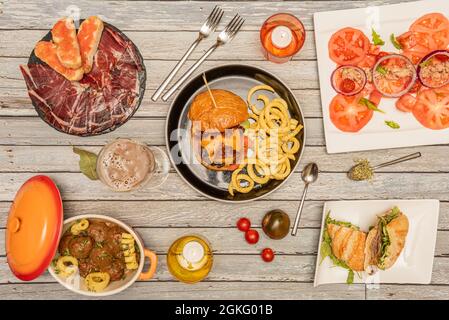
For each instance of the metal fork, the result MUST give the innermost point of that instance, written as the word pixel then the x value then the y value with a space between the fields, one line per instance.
pixel 206 29
pixel 224 37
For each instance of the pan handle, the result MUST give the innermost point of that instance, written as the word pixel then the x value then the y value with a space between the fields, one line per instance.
pixel 153 264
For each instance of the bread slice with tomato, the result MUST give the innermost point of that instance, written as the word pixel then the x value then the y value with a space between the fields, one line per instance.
pixel 89 36
pixel 64 37
pixel 47 52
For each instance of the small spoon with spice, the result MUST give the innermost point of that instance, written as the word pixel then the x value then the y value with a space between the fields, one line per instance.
pixel 363 170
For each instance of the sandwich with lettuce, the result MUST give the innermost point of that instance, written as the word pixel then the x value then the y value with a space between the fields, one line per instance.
pixel 385 241
pixel 352 249
pixel 344 244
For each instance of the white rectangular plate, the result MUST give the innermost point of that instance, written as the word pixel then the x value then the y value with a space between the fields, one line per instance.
pixel 385 20
pixel 415 263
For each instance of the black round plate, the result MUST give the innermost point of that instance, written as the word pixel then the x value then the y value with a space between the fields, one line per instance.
pixel 238 79
pixel 33 59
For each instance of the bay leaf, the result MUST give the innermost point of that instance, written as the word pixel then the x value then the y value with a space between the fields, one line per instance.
pixel 87 163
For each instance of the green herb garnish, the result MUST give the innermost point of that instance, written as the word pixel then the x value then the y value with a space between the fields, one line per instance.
pixel 376 38
pixel 381 70
pixel 87 163
pixel 392 124
pixel 370 105
pixel 395 42
pixel 424 63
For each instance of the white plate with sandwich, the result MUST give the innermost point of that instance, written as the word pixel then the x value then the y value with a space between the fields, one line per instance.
pixel 377 241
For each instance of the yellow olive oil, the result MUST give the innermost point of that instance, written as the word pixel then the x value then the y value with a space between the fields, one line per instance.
pixel 189 259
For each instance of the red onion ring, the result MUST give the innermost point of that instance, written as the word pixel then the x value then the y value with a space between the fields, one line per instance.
pixel 353 93
pixel 408 88
pixel 426 58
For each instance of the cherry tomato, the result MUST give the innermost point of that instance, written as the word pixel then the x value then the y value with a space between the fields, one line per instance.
pixel 243 224
pixel 347 85
pixel 267 255
pixel 252 236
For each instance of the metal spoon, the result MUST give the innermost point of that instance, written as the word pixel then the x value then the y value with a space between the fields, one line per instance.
pixel 389 163
pixel 309 175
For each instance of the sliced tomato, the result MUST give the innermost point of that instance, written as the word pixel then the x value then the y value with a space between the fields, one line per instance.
pixel 381 55
pixel 375 97
pixel 415 46
pixel 374 50
pixel 436 26
pixel 416 87
pixel 432 108
pixel 406 103
pixel 347 114
pixel 348 46
pixel 368 62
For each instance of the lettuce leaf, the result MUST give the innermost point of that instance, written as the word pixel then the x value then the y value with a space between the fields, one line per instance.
pixel 385 238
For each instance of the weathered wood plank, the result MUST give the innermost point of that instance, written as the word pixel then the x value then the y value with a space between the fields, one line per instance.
pixel 62 159
pixel 188 213
pixel 235 268
pixel 226 268
pixel 151 131
pixel 198 214
pixel 164 15
pixel 306 71
pixel 385 186
pixel 305 243
pixel 202 290
pixel 408 292
pixel 15 102
pixel 160 239
pixel 170 45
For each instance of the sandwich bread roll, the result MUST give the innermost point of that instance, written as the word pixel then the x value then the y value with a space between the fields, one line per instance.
pixel 348 245
pixel 386 240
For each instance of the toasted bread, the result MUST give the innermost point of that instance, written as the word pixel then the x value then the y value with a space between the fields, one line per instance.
pixel 89 36
pixel 397 230
pixel 64 36
pixel 348 245
pixel 47 52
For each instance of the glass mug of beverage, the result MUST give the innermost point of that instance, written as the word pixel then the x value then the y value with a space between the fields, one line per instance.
pixel 127 165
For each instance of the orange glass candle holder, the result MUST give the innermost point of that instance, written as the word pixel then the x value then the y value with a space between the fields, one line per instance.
pixel 282 36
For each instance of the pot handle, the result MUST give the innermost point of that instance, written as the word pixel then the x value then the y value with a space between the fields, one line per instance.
pixel 153 264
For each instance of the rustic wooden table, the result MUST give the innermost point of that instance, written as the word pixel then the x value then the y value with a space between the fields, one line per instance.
pixel 162 31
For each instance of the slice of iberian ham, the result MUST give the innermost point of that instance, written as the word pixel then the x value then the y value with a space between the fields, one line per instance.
pixel 89 36
pixel 68 50
pixel 98 101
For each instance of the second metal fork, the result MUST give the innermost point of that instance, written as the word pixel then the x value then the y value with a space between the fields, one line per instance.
pixel 206 29
pixel 224 37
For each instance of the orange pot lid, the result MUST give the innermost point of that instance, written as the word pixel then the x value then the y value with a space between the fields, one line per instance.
pixel 34 227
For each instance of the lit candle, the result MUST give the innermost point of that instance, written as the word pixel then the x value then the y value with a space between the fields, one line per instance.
pixel 281 37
